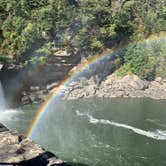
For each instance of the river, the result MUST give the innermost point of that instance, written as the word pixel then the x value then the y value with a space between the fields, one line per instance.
pixel 96 132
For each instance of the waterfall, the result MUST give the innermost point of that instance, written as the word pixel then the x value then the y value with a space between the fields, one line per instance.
pixel 2 99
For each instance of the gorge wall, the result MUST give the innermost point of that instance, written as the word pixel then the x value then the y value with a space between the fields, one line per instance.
pixel 30 84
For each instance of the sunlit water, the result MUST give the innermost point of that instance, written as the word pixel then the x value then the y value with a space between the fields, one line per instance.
pixel 95 132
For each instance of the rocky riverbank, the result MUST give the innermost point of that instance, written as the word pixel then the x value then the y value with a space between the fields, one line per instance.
pixel 16 149
pixel 130 86
pixel 98 80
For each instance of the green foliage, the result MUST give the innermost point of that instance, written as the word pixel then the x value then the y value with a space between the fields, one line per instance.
pixel 160 58
pixel 45 50
pixel 124 70
pixel 146 60
pixel 40 55
pixel 89 26
pixel 29 35
pixel 96 45
pixel 3 60
pixel 124 18
pixel 45 19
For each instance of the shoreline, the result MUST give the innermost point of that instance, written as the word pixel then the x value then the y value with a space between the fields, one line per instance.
pixel 113 86
pixel 129 86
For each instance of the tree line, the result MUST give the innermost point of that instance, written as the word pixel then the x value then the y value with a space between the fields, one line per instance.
pixel 28 27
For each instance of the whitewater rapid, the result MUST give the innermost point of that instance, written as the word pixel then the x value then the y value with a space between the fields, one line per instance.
pixel 9 115
pixel 157 134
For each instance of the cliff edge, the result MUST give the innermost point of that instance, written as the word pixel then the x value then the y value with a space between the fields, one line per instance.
pixel 16 149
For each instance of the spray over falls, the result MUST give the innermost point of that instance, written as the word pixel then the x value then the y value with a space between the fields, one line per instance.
pixel 2 99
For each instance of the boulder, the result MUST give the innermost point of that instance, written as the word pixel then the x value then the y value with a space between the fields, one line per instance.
pixel 26 100
pixel 158 79
pixel 135 82
pixel 111 79
pixel 51 86
pixel 16 149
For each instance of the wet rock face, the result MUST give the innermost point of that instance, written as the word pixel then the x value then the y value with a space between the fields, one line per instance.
pixel 29 84
pixel 16 149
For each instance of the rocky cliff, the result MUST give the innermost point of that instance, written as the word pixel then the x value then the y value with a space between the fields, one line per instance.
pixel 97 81
pixel 16 149
pixel 31 83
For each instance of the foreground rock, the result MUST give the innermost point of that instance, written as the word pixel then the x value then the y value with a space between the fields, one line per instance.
pixel 130 86
pixel 16 149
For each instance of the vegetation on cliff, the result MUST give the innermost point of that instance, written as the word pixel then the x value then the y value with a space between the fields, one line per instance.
pixel 31 27
pixel 146 59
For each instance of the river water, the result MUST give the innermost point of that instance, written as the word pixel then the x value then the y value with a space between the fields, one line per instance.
pixel 96 132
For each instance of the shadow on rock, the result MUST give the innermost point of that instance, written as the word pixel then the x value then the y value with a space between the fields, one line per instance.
pixel 41 160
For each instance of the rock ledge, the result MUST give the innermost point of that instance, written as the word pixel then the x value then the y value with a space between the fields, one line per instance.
pixel 16 149
pixel 129 86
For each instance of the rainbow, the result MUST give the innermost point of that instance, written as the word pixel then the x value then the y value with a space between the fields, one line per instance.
pixel 72 75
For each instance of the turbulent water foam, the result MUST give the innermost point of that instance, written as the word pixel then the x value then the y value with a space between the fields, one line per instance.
pixel 158 134
pixel 8 115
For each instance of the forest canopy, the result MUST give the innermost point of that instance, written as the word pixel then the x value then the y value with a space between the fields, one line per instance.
pixel 89 26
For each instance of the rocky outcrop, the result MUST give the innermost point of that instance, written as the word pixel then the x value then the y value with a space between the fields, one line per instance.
pixel 96 81
pixel 38 93
pixel 130 86
pixel 16 149
pixel 112 86
pixel 31 83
